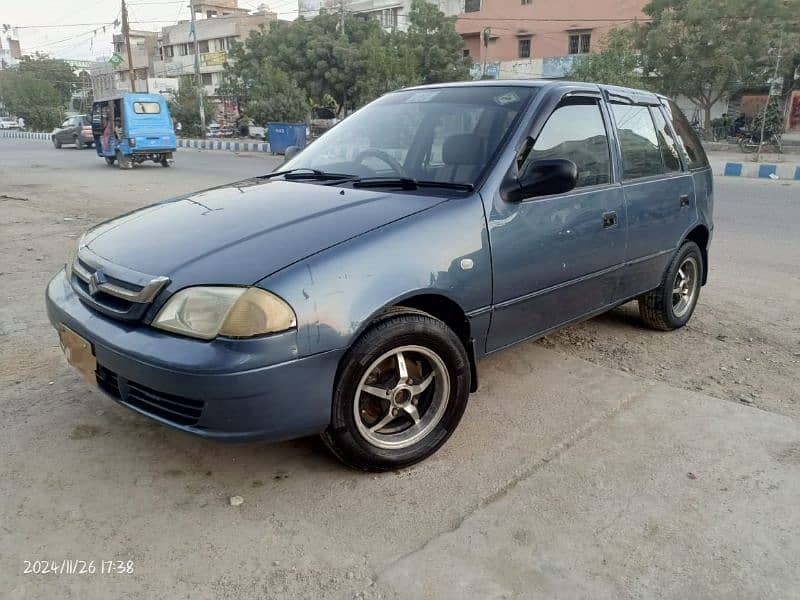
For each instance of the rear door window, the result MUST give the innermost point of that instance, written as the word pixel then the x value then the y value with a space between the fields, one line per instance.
pixel 575 131
pixel 687 138
pixel 638 141
pixel 669 147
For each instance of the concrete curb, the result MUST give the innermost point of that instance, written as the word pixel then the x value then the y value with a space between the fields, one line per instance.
pixel 726 168
pixel 225 145
pixel 222 145
pixel 24 135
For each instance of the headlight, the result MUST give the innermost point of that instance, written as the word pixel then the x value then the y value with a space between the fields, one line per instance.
pixel 237 312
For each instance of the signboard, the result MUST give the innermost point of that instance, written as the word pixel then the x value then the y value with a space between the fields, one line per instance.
pixel 213 59
pixel 115 59
pixel 492 70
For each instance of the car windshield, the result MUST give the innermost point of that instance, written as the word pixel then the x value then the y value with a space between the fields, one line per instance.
pixel 446 135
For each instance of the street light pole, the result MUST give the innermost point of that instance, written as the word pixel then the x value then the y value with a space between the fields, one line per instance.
pixel 198 76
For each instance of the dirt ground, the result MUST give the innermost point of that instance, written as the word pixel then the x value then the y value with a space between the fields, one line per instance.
pixel 83 476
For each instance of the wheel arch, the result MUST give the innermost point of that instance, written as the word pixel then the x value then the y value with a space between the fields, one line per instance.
pixel 700 236
pixel 439 306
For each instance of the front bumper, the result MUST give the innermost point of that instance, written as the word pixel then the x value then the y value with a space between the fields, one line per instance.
pixel 195 385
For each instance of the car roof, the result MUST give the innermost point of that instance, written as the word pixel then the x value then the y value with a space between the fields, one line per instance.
pixel 624 94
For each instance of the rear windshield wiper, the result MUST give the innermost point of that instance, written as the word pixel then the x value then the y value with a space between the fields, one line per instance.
pixel 407 183
pixel 307 173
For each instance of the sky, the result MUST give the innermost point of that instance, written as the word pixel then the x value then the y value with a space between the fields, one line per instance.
pixel 74 28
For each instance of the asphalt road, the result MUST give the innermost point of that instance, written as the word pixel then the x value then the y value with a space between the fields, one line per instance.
pixel 604 461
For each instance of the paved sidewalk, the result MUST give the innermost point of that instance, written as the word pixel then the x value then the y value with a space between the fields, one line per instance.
pixel 680 495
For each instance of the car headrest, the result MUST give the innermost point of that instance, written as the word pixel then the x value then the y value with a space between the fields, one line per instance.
pixel 464 149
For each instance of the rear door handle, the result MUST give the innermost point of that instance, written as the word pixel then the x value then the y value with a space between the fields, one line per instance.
pixel 609 219
pixel 684 200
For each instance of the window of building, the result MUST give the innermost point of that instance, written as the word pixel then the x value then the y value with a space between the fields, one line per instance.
pixel 472 5
pixel 466 52
pixel 168 51
pixel 203 46
pixel 669 148
pixel 575 131
pixel 524 2
pixel 524 48
pixel 207 79
pixel 183 49
pixel 580 43
pixel 638 141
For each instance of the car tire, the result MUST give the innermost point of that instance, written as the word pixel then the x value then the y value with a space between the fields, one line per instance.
pixel 166 163
pixel 56 143
pixel 417 405
pixel 670 305
pixel 78 143
pixel 110 160
pixel 123 161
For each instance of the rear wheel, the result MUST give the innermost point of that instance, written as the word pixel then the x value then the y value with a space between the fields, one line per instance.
pixel 78 143
pixel 400 393
pixel 166 162
pixel 56 143
pixel 110 160
pixel 671 305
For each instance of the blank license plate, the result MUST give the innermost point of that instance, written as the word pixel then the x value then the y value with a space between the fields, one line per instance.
pixel 79 353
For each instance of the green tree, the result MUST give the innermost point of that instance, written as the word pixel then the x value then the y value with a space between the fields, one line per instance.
pixel 772 117
pixel 619 62
pixel 703 48
pixel 276 97
pixel 435 44
pixel 185 106
pixel 36 101
pixel 55 71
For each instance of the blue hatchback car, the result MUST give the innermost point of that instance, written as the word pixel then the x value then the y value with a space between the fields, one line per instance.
pixel 352 292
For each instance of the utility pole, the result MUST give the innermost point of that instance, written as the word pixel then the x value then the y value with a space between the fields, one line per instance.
pixel 344 35
pixel 198 76
pixel 769 97
pixel 126 31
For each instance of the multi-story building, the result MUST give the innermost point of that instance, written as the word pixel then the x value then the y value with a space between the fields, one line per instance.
pixel 391 14
pixel 224 26
pixel 144 45
pixel 522 39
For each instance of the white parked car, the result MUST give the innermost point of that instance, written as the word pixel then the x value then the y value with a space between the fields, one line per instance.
pixel 7 123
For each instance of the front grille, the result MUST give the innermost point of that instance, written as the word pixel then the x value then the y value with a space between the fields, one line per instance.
pixel 111 289
pixel 175 409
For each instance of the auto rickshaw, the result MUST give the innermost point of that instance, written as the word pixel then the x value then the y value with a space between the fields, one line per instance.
pixel 132 128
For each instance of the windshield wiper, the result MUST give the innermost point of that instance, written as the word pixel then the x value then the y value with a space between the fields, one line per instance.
pixel 307 173
pixel 407 183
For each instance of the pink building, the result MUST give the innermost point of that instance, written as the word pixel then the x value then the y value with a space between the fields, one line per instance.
pixel 537 38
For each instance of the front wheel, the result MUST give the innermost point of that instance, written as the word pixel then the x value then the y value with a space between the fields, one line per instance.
pixel 400 393
pixel 671 305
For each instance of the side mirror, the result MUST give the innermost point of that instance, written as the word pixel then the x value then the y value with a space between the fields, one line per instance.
pixel 542 178
pixel 291 152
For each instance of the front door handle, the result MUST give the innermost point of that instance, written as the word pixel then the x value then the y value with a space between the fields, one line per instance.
pixel 684 200
pixel 610 219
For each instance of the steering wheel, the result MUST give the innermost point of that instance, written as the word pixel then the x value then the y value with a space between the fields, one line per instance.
pixel 383 156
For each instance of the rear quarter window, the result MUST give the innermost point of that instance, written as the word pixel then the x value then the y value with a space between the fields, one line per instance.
pixel 146 108
pixel 687 137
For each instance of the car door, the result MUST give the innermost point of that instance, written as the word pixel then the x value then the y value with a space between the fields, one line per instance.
pixel 556 258
pixel 63 133
pixel 659 193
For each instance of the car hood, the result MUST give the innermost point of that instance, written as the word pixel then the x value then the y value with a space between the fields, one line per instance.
pixel 240 233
